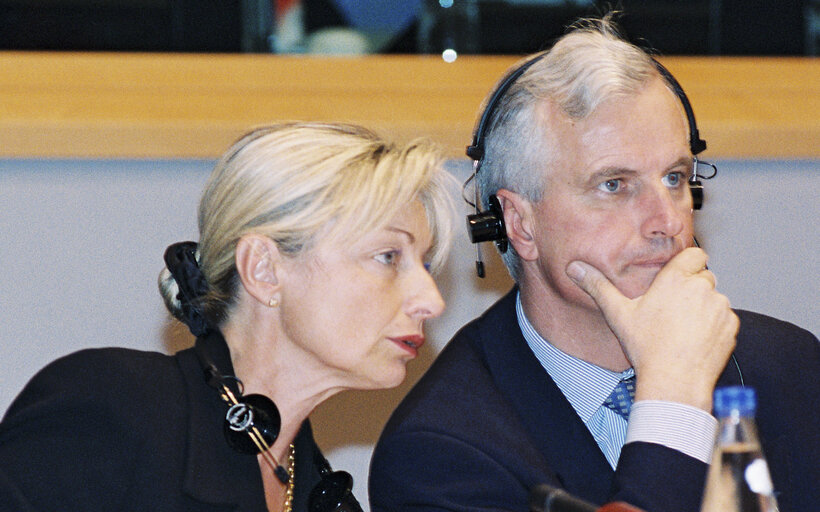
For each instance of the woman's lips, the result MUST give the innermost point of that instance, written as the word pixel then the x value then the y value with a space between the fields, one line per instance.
pixel 410 343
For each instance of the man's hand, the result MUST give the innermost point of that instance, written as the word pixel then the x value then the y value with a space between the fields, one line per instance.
pixel 678 335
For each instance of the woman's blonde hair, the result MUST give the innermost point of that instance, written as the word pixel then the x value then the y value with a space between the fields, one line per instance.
pixel 295 181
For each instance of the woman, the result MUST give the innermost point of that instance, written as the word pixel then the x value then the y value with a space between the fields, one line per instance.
pixel 310 277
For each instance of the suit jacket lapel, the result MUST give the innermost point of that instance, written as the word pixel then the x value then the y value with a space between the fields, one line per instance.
pixel 558 432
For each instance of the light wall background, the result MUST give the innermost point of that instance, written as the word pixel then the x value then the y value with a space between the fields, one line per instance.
pixel 81 244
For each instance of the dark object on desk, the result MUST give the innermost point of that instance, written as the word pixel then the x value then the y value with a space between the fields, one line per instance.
pixel 545 498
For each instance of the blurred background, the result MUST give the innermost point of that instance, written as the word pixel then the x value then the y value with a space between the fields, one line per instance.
pixel 672 27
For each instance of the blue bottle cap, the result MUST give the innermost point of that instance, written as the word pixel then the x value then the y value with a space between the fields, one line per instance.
pixel 735 398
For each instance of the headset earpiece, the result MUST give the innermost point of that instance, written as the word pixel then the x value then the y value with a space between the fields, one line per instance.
pixel 252 424
pixel 333 492
pixel 696 188
pixel 489 225
pixel 252 415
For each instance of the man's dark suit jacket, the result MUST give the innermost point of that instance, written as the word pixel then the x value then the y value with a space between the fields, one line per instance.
pixel 116 429
pixel 486 423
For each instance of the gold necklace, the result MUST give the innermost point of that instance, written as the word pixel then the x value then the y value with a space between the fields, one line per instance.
pixel 288 506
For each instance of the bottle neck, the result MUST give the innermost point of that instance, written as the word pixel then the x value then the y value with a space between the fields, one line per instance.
pixel 737 430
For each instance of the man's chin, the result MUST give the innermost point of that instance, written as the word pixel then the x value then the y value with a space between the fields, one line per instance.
pixel 637 284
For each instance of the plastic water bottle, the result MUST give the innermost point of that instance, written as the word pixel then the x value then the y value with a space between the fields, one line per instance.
pixel 738 479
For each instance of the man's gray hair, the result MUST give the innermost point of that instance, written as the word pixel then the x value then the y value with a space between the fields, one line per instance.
pixel 584 68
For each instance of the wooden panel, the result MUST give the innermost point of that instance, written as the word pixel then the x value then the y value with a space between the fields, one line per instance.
pixel 173 105
pixel 754 107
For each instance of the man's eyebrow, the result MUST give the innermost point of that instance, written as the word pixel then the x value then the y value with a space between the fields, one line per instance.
pixel 684 161
pixel 609 173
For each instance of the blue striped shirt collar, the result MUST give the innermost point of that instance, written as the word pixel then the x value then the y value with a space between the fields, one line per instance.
pixel 585 385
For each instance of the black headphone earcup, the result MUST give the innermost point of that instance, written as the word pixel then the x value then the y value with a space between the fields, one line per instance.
pixel 502 242
pixel 252 415
pixel 334 493
pixel 489 225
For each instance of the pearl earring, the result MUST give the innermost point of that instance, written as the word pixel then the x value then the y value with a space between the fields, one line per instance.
pixel 273 302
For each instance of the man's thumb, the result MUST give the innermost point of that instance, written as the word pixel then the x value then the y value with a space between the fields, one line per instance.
pixel 597 286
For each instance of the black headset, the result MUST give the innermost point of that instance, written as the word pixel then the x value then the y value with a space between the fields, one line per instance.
pixel 489 225
pixel 251 426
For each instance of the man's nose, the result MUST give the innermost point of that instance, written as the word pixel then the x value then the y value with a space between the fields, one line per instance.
pixel 663 213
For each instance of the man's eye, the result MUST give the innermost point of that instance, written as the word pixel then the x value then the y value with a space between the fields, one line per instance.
pixel 673 179
pixel 613 185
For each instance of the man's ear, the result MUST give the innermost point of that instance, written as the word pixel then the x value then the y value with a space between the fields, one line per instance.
pixel 257 258
pixel 518 218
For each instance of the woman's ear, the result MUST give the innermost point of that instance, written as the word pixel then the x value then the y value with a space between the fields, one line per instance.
pixel 518 219
pixel 257 258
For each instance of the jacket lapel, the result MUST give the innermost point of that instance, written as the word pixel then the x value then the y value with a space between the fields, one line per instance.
pixel 558 432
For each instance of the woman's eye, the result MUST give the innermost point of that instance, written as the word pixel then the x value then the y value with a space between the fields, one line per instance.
pixel 388 257
pixel 672 179
pixel 612 185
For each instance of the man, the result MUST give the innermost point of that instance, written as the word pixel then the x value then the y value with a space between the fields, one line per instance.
pixel 588 153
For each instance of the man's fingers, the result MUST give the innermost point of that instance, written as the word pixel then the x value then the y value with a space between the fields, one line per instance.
pixel 595 283
pixel 709 276
pixel 691 260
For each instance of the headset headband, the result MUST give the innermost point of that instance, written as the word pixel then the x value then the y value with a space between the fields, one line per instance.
pixel 476 150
